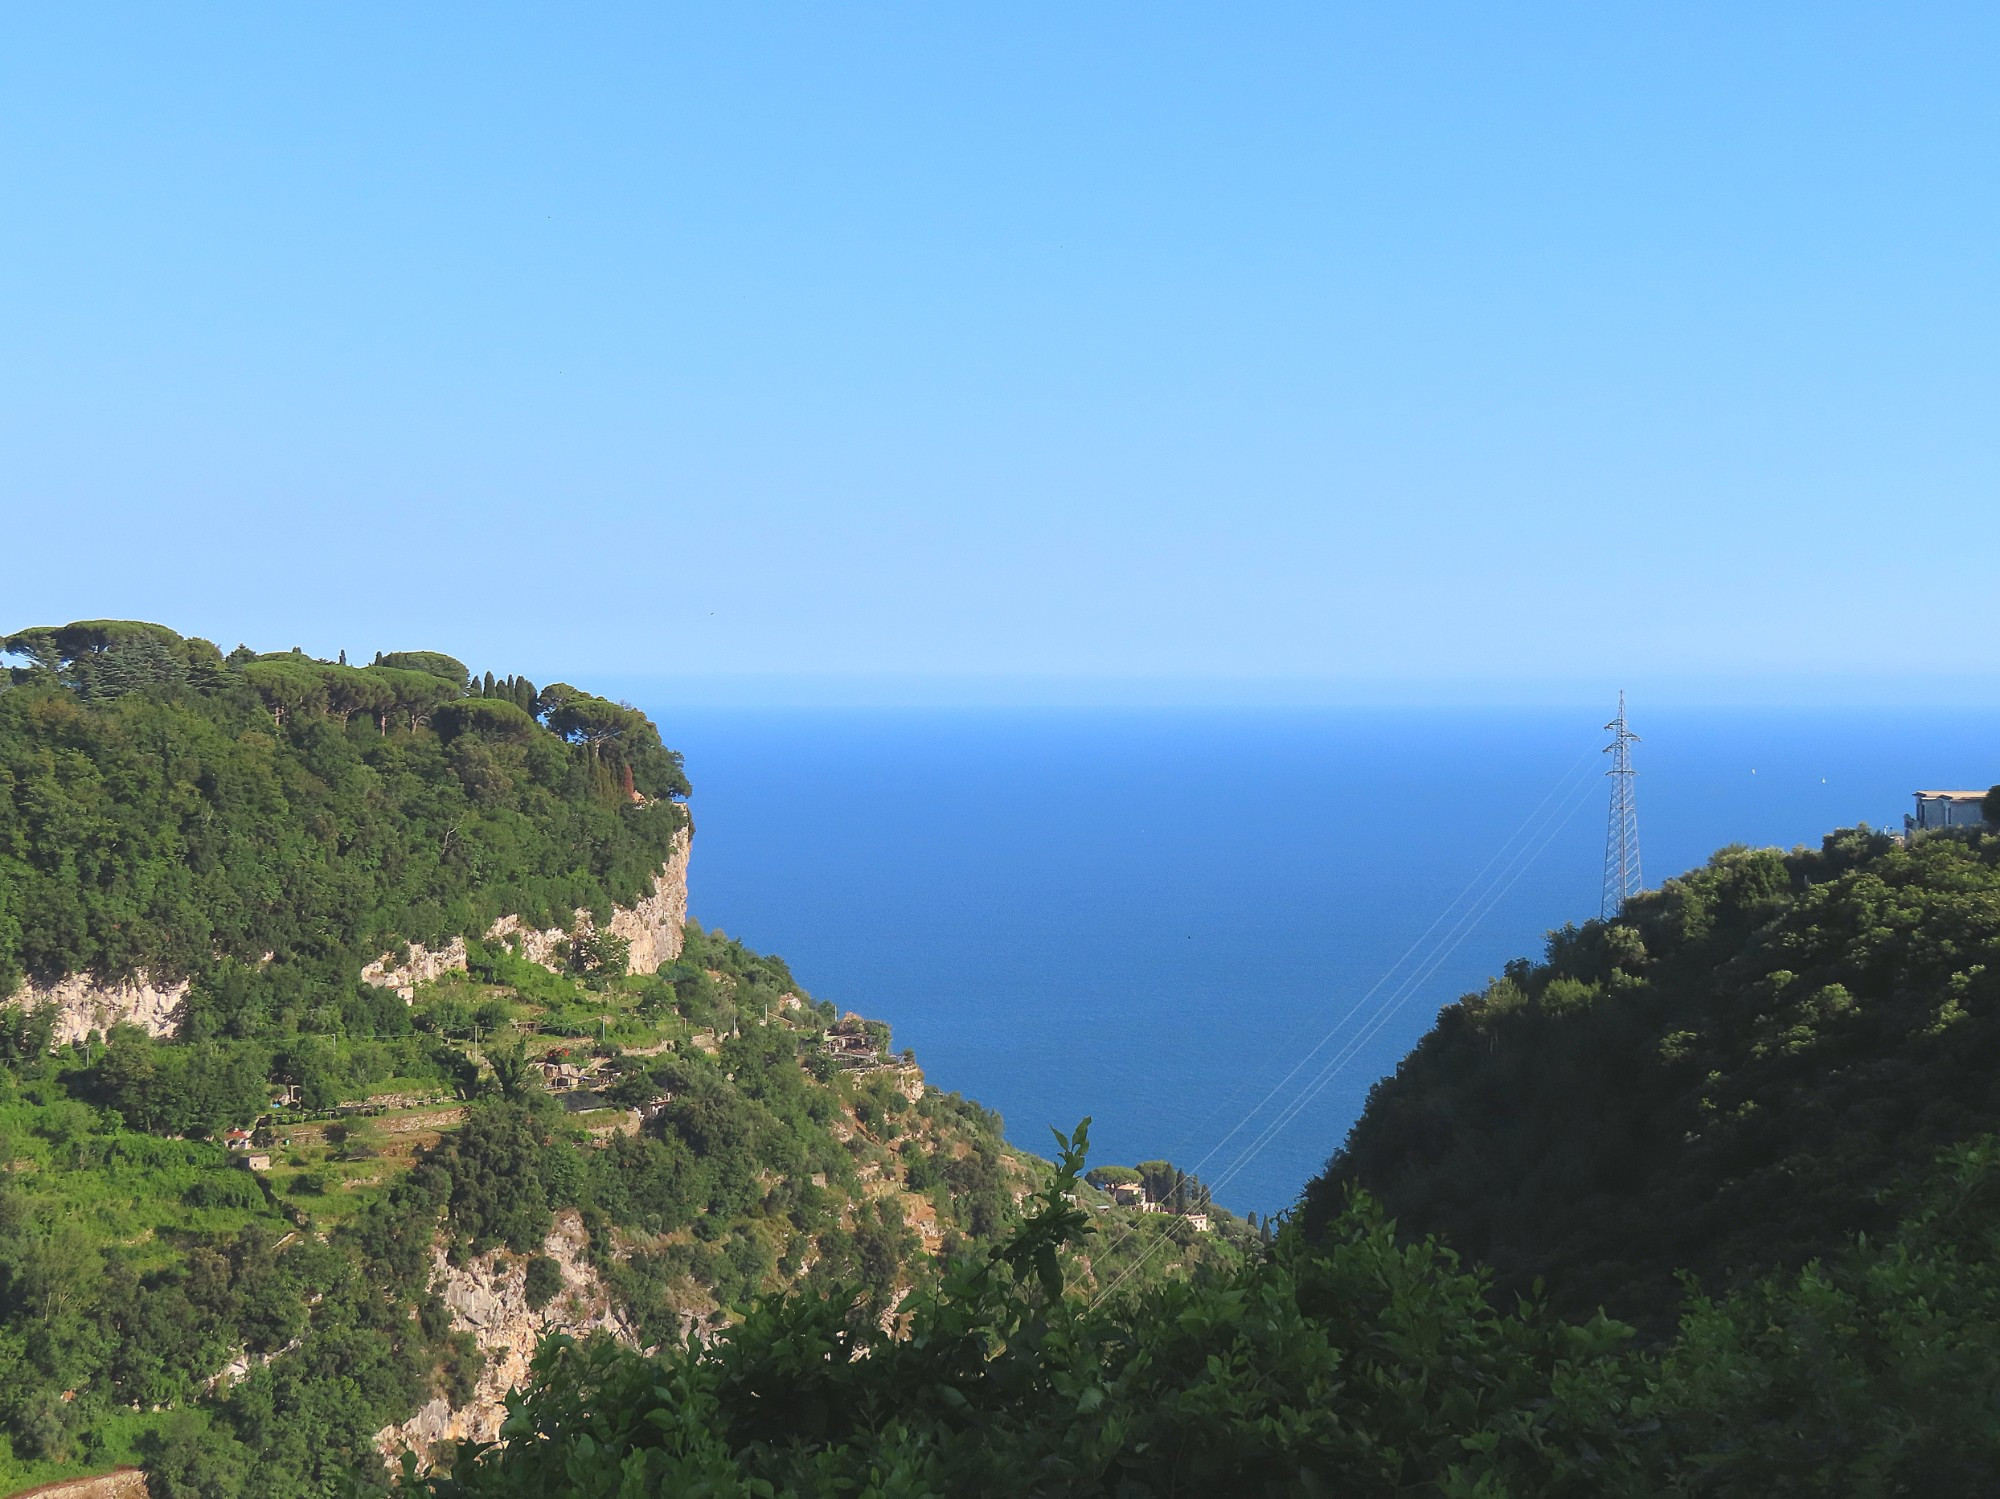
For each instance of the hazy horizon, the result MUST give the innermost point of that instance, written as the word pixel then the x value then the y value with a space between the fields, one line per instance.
pixel 865 693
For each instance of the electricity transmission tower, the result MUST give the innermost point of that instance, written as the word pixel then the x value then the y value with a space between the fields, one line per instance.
pixel 1621 838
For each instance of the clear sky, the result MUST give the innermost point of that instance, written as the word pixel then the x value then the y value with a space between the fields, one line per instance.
pixel 979 352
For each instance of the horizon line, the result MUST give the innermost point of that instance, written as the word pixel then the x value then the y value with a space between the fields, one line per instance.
pixel 883 690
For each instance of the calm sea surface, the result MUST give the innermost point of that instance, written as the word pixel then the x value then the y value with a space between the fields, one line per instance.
pixel 1154 917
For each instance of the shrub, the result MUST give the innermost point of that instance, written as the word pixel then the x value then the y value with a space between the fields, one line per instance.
pixel 224 1189
pixel 544 1280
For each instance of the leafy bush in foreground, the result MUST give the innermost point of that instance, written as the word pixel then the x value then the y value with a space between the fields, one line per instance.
pixel 1358 1366
pixel 1369 1368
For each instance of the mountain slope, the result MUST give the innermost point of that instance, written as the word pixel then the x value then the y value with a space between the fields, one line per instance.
pixel 1747 1066
pixel 428 1058
pixel 272 822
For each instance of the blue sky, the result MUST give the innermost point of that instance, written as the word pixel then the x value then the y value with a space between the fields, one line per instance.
pixel 920 352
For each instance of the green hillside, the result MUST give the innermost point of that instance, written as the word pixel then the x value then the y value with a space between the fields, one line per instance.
pixel 172 810
pixel 1752 1063
pixel 1753 1118
pixel 244 1313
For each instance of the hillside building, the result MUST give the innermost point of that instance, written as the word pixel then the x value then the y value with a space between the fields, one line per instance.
pixel 1947 809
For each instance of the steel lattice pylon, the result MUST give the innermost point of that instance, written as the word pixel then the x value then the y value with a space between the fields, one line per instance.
pixel 1621 838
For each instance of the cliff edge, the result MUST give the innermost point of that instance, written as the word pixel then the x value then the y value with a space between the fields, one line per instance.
pixel 653 925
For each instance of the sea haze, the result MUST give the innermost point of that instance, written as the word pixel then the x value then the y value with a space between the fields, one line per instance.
pixel 1152 917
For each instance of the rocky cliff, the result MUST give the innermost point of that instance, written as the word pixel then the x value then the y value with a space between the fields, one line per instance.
pixel 119 1483
pixel 652 924
pixel 84 1004
pixel 488 1298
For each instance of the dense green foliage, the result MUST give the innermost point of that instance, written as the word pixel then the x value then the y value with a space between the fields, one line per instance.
pixel 1358 1366
pixel 1876 1373
pixel 1002 1384
pixel 1750 1064
pixel 1775 1072
pixel 132 1269
pixel 263 826
pixel 165 809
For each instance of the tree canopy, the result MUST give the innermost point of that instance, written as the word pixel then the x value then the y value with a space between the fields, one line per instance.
pixel 1363 1363
pixel 1746 1066
pixel 187 817
pixel 432 663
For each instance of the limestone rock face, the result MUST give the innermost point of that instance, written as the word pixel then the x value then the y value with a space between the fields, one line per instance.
pixel 652 924
pixel 491 1303
pixel 85 1004
pixel 119 1483
pixel 424 965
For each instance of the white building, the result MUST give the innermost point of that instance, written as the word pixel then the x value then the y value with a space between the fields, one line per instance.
pixel 1948 809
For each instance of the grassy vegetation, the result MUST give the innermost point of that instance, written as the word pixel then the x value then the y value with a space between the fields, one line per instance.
pixel 722 1135
pixel 138 1191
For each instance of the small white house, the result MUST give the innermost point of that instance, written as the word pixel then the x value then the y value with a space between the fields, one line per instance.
pixel 1948 809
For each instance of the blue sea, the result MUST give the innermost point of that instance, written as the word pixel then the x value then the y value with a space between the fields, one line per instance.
pixel 1212 931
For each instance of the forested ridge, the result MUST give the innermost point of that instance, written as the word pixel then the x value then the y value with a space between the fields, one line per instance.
pixel 1747 1066
pixel 218 1246
pixel 172 810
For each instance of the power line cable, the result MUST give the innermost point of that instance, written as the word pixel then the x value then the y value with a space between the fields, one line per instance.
pixel 1516 865
pixel 1390 972
pixel 1393 1003
pixel 1461 927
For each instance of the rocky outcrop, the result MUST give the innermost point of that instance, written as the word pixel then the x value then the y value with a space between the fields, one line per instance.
pixel 537 945
pixel 652 924
pixel 656 923
pixel 488 1298
pixel 84 1004
pixel 119 1483
pixel 243 1361
pixel 422 966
